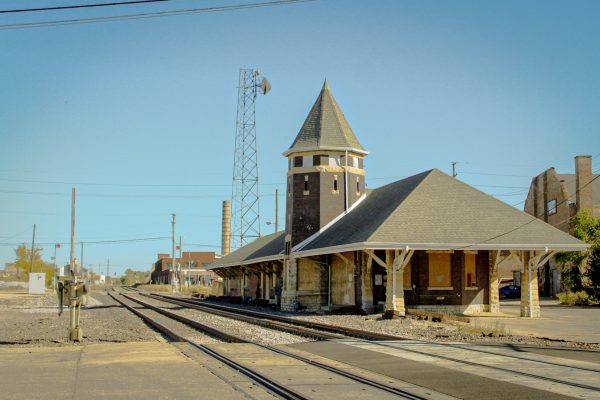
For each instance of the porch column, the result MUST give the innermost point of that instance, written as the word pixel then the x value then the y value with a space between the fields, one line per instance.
pixel 366 283
pixel 494 284
pixel 530 302
pixel 290 284
pixel 242 283
pixel 267 288
pixel 394 298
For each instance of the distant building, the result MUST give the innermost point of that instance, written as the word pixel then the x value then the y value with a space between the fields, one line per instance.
pixel 192 267
pixel 100 280
pixel 556 198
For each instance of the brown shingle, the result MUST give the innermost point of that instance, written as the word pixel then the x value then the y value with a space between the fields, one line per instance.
pixel 325 127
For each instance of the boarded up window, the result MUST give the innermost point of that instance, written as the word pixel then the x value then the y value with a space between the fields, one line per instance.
pixel 334 161
pixel 297 161
pixel 406 277
pixel 470 270
pixel 307 161
pixel 439 270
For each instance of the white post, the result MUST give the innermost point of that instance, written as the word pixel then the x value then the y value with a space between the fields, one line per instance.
pixel 529 294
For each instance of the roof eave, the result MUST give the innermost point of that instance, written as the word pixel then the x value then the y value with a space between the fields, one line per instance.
pixel 247 262
pixel 324 148
pixel 437 246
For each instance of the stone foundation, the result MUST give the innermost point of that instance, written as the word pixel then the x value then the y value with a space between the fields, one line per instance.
pixel 454 309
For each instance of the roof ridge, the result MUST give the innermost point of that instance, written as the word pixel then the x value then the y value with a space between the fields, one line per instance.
pixel 341 216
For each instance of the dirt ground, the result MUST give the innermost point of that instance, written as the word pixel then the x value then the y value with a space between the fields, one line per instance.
pixel 33 320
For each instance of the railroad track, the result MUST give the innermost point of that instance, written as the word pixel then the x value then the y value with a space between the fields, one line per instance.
pixel 258 377
pixel 336 332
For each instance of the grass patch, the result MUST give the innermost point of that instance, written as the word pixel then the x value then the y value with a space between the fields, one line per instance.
pixel 576 299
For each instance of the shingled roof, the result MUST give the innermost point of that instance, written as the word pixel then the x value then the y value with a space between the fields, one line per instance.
pixel 325 128
pixel 265 248
pixel 432 210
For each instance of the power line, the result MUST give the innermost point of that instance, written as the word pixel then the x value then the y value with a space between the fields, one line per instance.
pixel 151 239
pixel 103 195
pixel 119 3
pixel 533 217
pixel 204 10
pixel 490 174
pixel 126 184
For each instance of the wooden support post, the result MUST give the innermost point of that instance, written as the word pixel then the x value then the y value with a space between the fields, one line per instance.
pixel 494 282
pixel 530 299
pixel 366 282
pixel 394 264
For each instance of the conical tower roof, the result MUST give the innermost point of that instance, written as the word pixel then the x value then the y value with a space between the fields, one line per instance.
pixel 325 128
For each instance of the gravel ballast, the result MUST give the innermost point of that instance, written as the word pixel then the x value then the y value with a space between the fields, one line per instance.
pixel 414 328
pixel 241 329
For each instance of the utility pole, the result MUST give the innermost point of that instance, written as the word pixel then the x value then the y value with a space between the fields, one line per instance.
pixel 75 288
pixel 32 250
pixel 173 270
pixel 276 210
pixel 72 255
pixel 179 263
pixel 107 269
pixel 56 246
pixel 81 258
pixel 454 173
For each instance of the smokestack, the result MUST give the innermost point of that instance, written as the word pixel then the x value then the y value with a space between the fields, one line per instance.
pixel 583 177
pixel 226 229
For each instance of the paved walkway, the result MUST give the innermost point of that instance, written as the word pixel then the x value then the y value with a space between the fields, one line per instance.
pixel 140 370
pixel 467 371
pixel 579 324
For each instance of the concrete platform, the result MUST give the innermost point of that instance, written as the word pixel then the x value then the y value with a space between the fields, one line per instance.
pixel 457 381
pixel 557 322
pixel 140 370
pixel 309 381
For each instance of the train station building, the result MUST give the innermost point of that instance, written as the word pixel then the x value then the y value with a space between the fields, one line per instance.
pixel 428 241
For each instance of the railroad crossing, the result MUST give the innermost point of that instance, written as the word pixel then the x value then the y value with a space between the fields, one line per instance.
pixel 209 348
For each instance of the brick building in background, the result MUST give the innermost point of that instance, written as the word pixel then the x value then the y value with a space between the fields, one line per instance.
pixel 192 264
pixel 556 198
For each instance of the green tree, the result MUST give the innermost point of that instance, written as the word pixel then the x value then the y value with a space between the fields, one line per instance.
pixel 131 277
pixel 23 263
pixel 581 270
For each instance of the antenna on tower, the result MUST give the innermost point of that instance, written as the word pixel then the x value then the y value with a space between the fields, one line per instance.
pixel 245 215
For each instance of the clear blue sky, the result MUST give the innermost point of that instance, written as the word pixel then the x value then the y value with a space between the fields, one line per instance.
pixel 504 88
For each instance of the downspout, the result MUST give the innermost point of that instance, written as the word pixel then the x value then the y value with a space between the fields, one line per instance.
pixel 329 284
pixel 346 182
pixel 529 294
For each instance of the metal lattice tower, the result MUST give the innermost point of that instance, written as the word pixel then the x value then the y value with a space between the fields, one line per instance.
pixel 245 203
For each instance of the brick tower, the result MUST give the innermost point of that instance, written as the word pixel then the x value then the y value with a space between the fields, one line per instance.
pixel 325 170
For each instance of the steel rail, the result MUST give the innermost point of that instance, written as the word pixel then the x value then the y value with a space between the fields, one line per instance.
pixel 390 389
pixel 358 333
pixel 262 380
pixel 369 335
pixel 294 329
pixel 378 336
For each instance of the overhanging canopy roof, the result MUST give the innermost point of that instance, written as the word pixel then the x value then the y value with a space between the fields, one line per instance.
pixel 265 248
pixel 430 211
